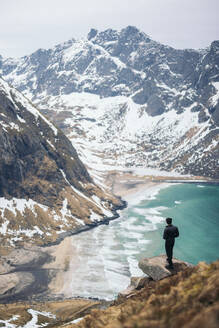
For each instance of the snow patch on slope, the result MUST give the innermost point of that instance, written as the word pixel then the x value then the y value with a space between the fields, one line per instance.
pixel 16 96
pixel 19 204
pixel 115 132
pixel 33 323
pixel 215 98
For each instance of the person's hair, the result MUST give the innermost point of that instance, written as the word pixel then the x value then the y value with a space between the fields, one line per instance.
pixel 168 220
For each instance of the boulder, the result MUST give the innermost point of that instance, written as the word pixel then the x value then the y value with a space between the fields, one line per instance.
pixel 139 282
pixel 5 267
pixel 12 284
pixel 130 290
pixel 155 267
pixel 136 283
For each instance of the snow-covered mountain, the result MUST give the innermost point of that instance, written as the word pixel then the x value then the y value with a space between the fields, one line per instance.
pixel 45 190
pixel 126 100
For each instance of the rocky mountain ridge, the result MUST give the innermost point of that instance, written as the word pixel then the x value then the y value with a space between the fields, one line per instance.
pixel 45 190
pixel 126 100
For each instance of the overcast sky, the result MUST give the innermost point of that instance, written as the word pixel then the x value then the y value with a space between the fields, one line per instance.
pixel 27 25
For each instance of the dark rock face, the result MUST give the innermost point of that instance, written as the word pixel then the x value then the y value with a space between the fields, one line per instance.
pixel 215 114
pixel 93 32
pixel 155 106
pixel 129 63
pixel 32 149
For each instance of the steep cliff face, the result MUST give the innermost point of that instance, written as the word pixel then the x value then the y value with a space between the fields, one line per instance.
pixel 127 100
pixel 45 189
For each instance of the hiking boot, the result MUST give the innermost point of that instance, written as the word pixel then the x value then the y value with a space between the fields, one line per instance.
pixel 169 266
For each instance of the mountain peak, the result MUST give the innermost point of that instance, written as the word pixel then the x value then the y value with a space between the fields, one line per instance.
pixel 138 78
pixel 215 46
pixel 93 32
pixel 131 29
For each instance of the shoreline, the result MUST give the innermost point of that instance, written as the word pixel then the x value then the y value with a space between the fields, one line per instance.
pixel 37 278
pixel 138 186
pixel 51 277
pixel 127 183
pixel 87 227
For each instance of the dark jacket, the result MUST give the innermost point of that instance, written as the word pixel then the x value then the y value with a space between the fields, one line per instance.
pixel 170 233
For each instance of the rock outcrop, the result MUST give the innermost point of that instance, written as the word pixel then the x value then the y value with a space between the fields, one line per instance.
pixel 136 283
pixel 156 267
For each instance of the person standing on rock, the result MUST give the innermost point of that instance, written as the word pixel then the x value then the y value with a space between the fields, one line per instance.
pixel 169 234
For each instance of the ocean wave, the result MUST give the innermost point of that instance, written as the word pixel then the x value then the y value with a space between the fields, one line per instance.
pixel 149 193
pixel 133 267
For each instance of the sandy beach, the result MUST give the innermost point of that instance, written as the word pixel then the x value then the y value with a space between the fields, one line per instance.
pixel 126 184
pixel 64 261
pixel 65 257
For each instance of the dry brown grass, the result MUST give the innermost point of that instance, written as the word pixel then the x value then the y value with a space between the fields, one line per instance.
pixel 188 299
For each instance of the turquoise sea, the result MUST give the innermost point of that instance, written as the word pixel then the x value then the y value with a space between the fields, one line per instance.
pixel 108 255
pixel 195 210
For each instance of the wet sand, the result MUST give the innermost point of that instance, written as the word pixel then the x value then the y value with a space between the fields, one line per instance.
pixel 62 265
pixel 124 183
pixel 128 185
pixel 22 275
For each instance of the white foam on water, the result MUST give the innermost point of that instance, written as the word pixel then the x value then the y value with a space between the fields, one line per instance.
pixel 146 194
pixel 145 241
pixel 130 245
pixel 134 269
pixel 107 256
pixel 156 219
pixel 99 272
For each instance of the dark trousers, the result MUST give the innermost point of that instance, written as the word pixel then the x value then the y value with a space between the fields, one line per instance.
pixel 169 250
